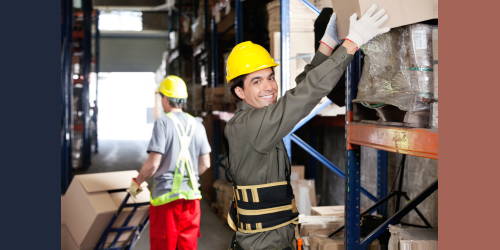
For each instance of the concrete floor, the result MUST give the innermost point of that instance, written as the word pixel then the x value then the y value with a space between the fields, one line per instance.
pixel 128 155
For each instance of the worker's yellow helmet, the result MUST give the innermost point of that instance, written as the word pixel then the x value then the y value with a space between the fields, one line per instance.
pixel 247 57
pixel 174 87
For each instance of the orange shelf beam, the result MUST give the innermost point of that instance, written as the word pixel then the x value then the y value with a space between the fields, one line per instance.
pixel 412 141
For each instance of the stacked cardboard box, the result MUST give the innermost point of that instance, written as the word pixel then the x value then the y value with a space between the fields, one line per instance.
pixel 297 172
pixel 87 208
pixel 305 195
pixel 418 245
pixel 316 225
pixel 324 243
pixel 224 197
pixel 219 98
pixel 301 44
pixel 195 98
pixel 328 211
pixel 411 238
pixel 301 17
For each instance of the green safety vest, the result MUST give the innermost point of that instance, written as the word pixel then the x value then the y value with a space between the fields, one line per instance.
pixel 182 166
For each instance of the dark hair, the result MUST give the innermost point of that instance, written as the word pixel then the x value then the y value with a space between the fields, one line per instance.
pixel 175 102
pixel 237 82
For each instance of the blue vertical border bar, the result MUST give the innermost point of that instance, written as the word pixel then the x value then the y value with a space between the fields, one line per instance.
pixel 382 176
pixel 238 21
pixel 353 185
pixel 285 59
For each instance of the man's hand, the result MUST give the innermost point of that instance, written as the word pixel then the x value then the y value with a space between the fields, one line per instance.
pixel 368 26
pixel 135 188
pixel 330 38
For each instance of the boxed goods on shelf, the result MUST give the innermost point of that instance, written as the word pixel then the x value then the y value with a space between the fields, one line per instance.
pixel 398 71
pixel 412 238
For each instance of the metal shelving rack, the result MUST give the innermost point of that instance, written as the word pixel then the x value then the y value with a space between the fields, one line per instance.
pixel 79 57
pixel 410 141
pixel 66 87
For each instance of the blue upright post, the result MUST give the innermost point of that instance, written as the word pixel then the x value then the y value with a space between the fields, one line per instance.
pixel 352 201
pixel 352 196
pixel 382 175
pixel 238 21
pixel 285 56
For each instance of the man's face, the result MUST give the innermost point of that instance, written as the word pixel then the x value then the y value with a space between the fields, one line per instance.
pixel 259 88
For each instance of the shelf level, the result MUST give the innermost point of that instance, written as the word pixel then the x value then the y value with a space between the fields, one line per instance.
pixel 412 141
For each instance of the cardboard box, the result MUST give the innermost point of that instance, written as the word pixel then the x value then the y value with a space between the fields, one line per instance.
pixel 324 243
pixel 305 195
pixel 224 194
pixel 319 225
pixel 87 206
pixel 418 245
pixel 67 241
pixel 219 98
pixel 297 173
pixel 401 12
pixel 328 211
pixel 300 54
pixel 405 233
pixel 301 17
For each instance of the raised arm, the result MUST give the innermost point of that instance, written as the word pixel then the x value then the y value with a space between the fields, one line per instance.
pixel 270 124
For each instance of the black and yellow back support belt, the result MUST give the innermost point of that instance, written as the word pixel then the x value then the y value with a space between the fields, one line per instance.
pixel 265 207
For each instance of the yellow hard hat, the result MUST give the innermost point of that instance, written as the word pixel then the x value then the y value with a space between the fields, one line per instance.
pixel 247 57
pixel 174 87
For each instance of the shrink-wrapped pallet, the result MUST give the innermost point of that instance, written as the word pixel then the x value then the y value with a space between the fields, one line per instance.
pixel 398 69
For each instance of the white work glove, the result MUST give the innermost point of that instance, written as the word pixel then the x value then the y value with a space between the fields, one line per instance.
pixel 330 38
pixel 135 188
pixel 368 26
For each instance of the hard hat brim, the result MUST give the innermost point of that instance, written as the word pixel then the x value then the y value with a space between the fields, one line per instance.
pixel 244 72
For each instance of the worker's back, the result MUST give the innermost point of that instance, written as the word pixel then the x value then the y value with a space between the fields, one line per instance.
pixel 165 140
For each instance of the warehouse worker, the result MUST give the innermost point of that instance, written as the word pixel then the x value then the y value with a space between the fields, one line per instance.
pixel 263 213
pixel 178 153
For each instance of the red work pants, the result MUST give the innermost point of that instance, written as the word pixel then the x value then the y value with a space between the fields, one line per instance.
pixel 175 225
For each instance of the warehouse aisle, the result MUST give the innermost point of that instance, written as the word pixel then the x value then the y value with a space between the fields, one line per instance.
pixel 215 235
pixel 118 155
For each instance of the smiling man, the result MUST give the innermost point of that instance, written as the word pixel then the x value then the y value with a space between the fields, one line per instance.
pixel 263 213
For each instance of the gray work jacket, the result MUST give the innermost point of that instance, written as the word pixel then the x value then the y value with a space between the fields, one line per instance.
pixel 255 136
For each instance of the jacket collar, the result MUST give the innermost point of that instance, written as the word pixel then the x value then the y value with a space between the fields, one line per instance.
pixel 242 105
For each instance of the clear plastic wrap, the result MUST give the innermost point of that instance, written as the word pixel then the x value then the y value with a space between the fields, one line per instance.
pixel 398 69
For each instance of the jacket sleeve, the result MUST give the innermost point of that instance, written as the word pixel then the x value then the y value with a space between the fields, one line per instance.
pixel 267 126
pixel 317 60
